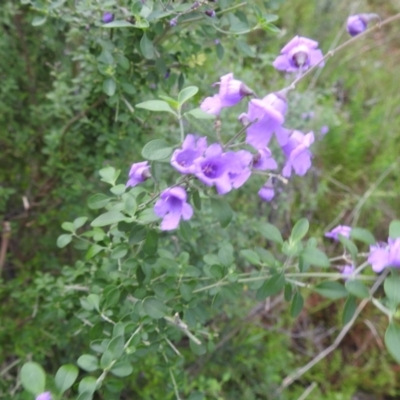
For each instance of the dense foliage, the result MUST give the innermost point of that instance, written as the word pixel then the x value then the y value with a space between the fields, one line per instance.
pixel 100 299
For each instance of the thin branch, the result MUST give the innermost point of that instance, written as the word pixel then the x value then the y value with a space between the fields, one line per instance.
pixel 301 371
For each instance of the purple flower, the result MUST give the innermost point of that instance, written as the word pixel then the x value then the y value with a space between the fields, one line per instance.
pixel 231 91
pixel 267 192
pixel 239 171
pixel 297 153
pixel 173 22
pixel 107 17
pixel 299 54
pixel 339 230
pixel 347 270
pixel 384 255
pixel 267 116
pixel 44 396
pixel 357 24
pixel 263 160
pixel 172 206
pixel 224 170
pixel 210 13
pixel 324 130
pixel 192 148
pixel 139 173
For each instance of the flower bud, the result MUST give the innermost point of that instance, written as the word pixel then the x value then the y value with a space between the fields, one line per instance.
pixel 357 24
pixel 107 17
pixel 210 13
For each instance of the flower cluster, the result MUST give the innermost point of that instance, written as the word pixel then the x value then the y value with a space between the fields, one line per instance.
pixel 217 165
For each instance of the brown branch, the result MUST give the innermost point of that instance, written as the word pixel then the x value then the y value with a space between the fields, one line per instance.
pixel 5 238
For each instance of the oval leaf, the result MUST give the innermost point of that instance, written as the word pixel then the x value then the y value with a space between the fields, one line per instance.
pixel 156 150
pixel 156 105
pixel 392 288
pixel 147 48
pixel 108 218
pixel 392 341
pixel 272 286
pixel 331 290
pixel 187 94
pixel 270 232
pixel 109 87
pixel 357 288
pixel 63 240
pixel 315 257
pixel 121 369
pixel 299 230
pixel 33 378
pixel 88 362
pixel 154 307
pixel 349 309
pixel 66 377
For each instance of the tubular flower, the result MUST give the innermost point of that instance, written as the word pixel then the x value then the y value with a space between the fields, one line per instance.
pixel 224 170
pixel 172 206
pixel 265 117
pixel 263 160
pixel 192 148
pixel 231 91
pixel 267 192
pixel 139 173
pixel 297 153
pixel 358 23
pixel 339 230
pixel 384 255
pixel 299 54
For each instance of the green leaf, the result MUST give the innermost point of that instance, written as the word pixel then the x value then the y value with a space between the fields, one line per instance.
pixel 63 240
pixel 68 226
pixel 157 105
pixel 394 229
pixel 151 243
pixel 98 200
pixel 225 254
pixel 118 190
pixel 357 288
pixel 299 230
pixel 121 369
pixel 362 235
pixel 221 211
pixel 65 377
pixel 147 48
pixel 200 114
pixel 315 257
pixel 198 349
pixel 109 175
pixel 392 340
pixel 94 300
pixel 271 287
pixel 349 245
pixel 297 305
pixel 109 87
pixel 116 347
pixel 85 395
pixel 331 290
pixel 251 256
pixel 156 150
pixel 349 309
pixel 33 378
pixel 187 94
pixel 154 307
pixel 79 222
pixel 118 24
pixel 392 288
pixel 88 363
pixel 119 252
pixel 39 20
pixel 87 385
pixel 108 218
pixel 270 232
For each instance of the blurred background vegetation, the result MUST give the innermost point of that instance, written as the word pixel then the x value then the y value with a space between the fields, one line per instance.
pixel 58 128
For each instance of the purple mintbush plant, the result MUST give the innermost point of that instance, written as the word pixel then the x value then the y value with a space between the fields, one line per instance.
pixel 44 396
pixel 172 206
pixel 300 53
